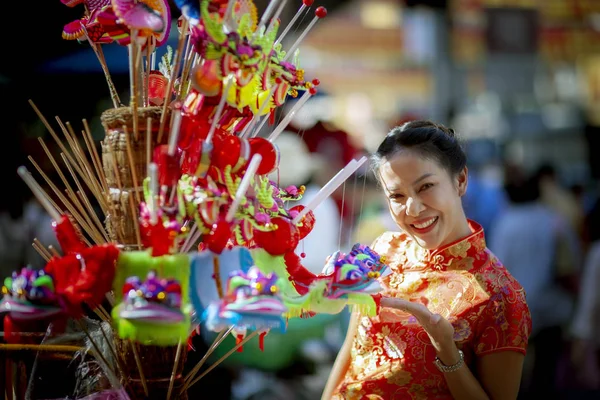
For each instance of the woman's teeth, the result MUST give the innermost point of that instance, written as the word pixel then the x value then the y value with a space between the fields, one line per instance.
pixel 425 224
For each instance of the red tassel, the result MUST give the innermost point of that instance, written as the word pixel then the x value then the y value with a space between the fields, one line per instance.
pixel 377 298
pixel 261 341
pixel 238 340
pixel 272 118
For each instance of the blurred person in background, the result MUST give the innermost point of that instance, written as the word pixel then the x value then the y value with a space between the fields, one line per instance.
pixel 585 328
pixel 541 250
pixel 559 198
pixel 453 323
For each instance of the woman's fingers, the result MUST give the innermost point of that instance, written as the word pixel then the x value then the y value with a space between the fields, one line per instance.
pixel 421 312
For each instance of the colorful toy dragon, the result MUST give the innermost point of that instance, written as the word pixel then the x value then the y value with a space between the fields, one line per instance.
pixel 30 294
pixel 252 302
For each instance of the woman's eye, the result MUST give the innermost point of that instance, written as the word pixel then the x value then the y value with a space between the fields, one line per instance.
pixel 426 186
pixel 396 196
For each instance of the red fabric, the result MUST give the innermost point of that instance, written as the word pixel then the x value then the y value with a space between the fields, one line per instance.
pixel 87 282
pixel 392 356
pixel 68 237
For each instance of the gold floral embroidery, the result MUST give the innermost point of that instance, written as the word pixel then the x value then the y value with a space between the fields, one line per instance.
pixel 391 354
pixel 398 378
pixel 392 343
pixel 354 391
pixel 460 249
pixel 463 264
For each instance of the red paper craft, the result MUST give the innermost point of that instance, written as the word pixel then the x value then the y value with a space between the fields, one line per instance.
pixel 84 277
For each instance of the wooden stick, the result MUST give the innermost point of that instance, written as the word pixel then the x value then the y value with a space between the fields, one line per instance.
pixel 55 137
pixel 172 380
pixel 42 247
pixel 138 361
pixel 133 77
pixel 53 251
pixel 94 151
pixel 148 70
pixel 92 173
pixel 119 186
pixel 148 141
pixel 216 342
pixel 220 360
pixel 55 348
pixel 111 86
pixel 187 65
pixel 65 201
pixel 39 193
pixel 41 251
pixel 70 191
pixel 60 143
pixel 174 71
pixel 131 164
pixel 217 274
pixel 86 201
pixel 94 344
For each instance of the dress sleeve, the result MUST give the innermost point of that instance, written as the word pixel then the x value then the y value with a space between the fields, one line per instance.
pixel 505 322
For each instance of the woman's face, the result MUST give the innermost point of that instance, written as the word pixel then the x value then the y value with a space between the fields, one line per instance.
pixel 424 200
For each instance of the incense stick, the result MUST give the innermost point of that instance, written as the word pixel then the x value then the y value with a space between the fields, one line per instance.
pixel 221 336
pixel 175 363
pixel 174 71
pixel 220 360
pixel 138 361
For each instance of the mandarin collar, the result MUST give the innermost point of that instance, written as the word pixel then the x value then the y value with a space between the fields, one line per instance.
pixel 458 254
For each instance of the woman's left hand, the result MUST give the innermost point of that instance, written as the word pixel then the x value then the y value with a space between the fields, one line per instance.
pixel 439 329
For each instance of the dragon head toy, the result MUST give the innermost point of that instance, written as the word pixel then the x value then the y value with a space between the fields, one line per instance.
pixel 30 294
pixel 252 302
pixel 155 311
pixel 154 300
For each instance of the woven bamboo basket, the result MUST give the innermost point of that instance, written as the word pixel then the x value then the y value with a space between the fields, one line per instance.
pixel 157 364
pixel 118 169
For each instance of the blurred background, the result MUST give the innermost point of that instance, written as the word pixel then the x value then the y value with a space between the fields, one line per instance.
pixel 519 80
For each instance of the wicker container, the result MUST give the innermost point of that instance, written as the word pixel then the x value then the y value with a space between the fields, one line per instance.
pixel 117 166
pixel 157 363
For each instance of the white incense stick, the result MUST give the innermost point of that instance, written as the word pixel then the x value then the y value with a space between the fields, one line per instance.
pixel 305 4
pixel 284 123
pixel 244 185
pixel 330 187
pixel 38 192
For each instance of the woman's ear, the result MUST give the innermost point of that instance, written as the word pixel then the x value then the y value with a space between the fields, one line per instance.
pixel 462 181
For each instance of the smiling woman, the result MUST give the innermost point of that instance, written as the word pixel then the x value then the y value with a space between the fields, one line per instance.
pixel 453 323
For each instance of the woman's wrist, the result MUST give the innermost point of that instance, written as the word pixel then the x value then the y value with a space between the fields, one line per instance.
pixel 448 354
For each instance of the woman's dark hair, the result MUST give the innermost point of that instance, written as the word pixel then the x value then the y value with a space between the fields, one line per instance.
pixel 428 139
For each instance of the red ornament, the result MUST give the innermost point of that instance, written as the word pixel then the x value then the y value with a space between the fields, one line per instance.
pixel 217 239
pixel 321 12
pixel 160 239
pixel 269 153
pixel 306 223
pixel 308 3
pixel 230 150
pixel 303 255
pixel 168 166
pixel 157 88
pixel 279 241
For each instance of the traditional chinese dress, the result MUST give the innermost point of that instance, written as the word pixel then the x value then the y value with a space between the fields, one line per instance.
pixel 392 356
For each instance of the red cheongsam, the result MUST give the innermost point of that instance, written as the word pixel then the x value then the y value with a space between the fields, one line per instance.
pixel 392 356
